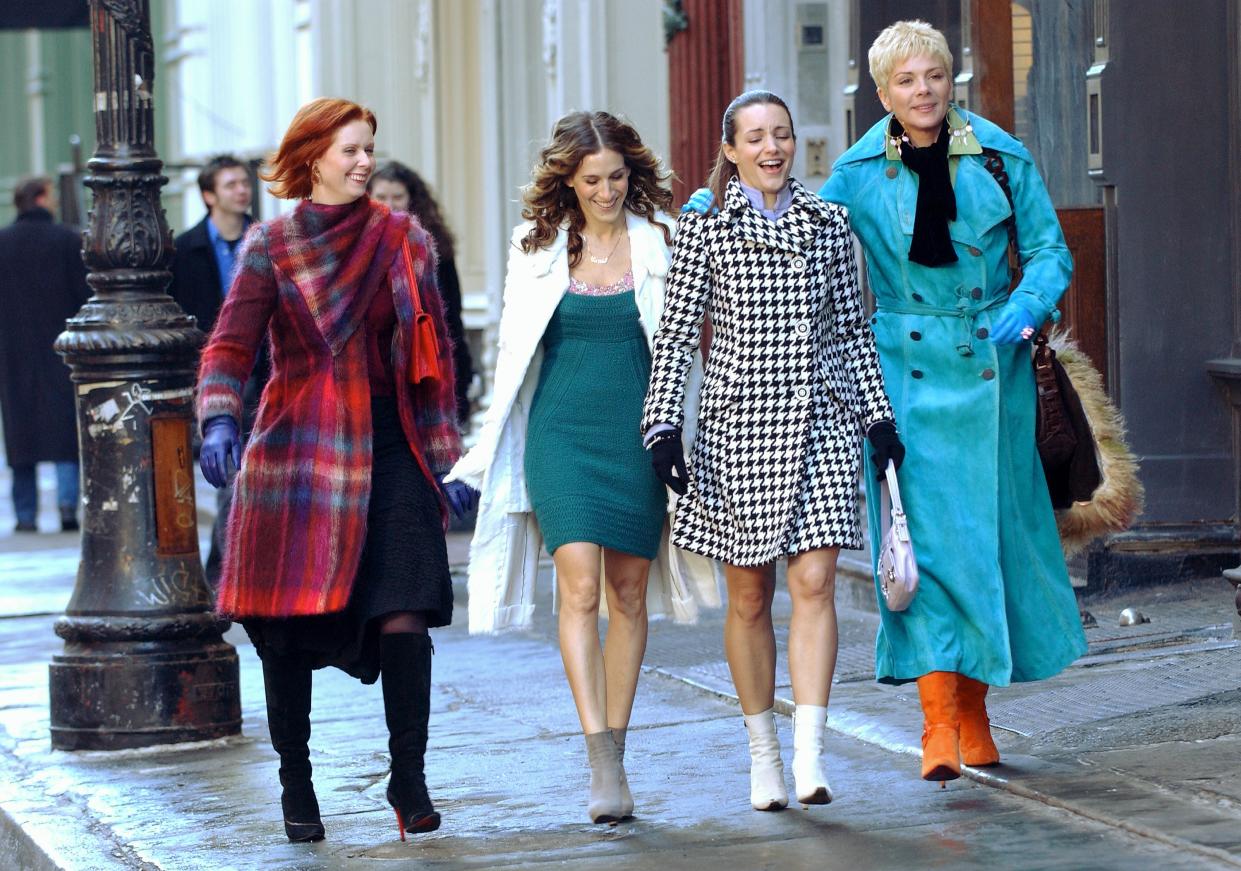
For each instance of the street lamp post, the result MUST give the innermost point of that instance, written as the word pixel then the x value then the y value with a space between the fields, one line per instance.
pixel 144 661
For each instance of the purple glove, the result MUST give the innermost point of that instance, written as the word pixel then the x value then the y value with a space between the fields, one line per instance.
pixel 462 498
pixel 1011 323
pixel 221 442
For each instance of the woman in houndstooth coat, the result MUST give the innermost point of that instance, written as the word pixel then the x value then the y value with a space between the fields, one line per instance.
pixel 792 381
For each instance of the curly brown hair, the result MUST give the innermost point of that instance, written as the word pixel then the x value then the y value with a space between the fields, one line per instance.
pixel 550 202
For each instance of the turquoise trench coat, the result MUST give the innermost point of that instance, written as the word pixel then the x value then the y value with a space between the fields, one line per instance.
pixel 994 601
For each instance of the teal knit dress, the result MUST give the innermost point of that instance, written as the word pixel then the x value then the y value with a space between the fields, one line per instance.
pixel 587 474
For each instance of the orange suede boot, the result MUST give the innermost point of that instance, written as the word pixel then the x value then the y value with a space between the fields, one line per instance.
pixel 977 748
pixel 941 731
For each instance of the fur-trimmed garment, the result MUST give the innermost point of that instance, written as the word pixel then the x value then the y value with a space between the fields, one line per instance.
pixel 1120 496
pixel 298 521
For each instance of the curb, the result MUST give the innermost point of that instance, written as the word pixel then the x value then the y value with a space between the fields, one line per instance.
pixel 871 732
pixel 21 849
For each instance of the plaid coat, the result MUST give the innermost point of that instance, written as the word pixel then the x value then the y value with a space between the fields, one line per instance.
pixel 298 519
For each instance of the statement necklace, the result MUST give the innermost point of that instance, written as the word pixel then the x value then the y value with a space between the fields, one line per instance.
pixel 602 260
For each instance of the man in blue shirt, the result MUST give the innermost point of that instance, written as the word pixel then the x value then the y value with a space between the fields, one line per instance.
pixel 202 271
pixel 202 265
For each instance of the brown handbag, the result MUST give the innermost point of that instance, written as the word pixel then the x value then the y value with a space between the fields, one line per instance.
pixel 1062 433
pixel 1066 445
pixel 424 360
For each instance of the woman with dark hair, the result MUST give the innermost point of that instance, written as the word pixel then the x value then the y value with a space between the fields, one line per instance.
pixel 401 189
pixel 336 550
pixel 792 382
pixel 559 458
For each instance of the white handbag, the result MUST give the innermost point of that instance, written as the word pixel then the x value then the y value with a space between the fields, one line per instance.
pixel 898 569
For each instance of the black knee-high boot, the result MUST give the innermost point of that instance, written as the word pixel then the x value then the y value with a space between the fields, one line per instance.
pixel 405 667
pixel 287 686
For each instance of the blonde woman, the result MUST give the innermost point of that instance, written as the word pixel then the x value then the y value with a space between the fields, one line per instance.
pixel 954 344
pixel 559 459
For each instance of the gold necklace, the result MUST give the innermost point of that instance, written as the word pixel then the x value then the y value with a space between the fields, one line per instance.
pixel 602 260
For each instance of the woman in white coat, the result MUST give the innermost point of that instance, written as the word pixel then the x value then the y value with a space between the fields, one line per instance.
pixel 559 459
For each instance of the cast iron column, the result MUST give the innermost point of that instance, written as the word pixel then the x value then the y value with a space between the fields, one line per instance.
pixel 144 661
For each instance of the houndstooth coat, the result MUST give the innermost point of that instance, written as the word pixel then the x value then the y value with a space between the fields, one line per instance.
pixel 791 381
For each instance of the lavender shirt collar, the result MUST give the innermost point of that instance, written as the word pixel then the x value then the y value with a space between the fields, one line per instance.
pixel 784 200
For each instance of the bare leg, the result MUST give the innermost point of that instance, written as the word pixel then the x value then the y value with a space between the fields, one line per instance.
pixel 812 629
pixel 626 578
pixel 749 640
pixel 577 578
pixel 812 659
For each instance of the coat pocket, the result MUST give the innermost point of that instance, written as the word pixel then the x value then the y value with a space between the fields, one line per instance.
pixel 835 382
pixel 721 388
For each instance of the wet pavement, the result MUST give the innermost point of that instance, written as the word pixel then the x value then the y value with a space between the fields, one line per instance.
pixel 1130 757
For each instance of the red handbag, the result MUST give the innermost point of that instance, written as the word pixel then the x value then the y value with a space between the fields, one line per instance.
pixel 424 359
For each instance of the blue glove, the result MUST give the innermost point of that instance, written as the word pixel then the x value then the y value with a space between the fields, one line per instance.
pixel 221 442
pixel 701 201
pixel 1009 324
pixel 462 498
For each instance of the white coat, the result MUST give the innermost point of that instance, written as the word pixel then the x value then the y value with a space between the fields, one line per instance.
pixel 504 553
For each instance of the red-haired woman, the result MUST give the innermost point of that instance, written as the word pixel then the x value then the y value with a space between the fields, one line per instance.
pixel 336 549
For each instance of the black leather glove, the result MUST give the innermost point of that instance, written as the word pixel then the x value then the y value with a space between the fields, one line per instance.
pixel 668 456
pixel 885 445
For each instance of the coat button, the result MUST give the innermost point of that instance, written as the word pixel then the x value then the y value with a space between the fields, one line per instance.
pixel 988 374
pixel 803 328
pixel 799 264
pixel 916 336
pixel 974 252
pixel 802 393
pixel 976 293
pixel 917 297
pixel 891 172
pixel 982 333
pixel 917 373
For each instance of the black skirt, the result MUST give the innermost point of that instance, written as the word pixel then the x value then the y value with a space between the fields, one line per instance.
pixel 404 566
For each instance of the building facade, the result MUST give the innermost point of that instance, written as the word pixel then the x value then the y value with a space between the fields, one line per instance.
pixel 1132 110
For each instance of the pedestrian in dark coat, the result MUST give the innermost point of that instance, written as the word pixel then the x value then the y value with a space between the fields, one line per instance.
pixel 199 284
pixel 403 190
pixel 42 282
pixel 203 265
pixel 336 552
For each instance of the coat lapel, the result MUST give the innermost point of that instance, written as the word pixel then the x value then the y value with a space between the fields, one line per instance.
pixel 794 232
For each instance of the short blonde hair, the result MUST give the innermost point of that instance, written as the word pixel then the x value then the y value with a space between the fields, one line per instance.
pixel 899 42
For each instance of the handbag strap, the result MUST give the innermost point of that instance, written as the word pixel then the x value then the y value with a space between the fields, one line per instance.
pixel 413 281
pixel 994 163
pixel 894 489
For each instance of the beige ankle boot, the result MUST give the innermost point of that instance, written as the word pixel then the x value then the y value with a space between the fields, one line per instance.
pixel 626 797
pixel 605 791
pixel 810 783
pixel 767 790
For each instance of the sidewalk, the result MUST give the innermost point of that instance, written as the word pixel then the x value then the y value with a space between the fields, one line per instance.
pixel 1141 736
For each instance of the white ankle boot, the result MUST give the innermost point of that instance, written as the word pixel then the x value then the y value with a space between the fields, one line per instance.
pixel 767 790
pixel 810 783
